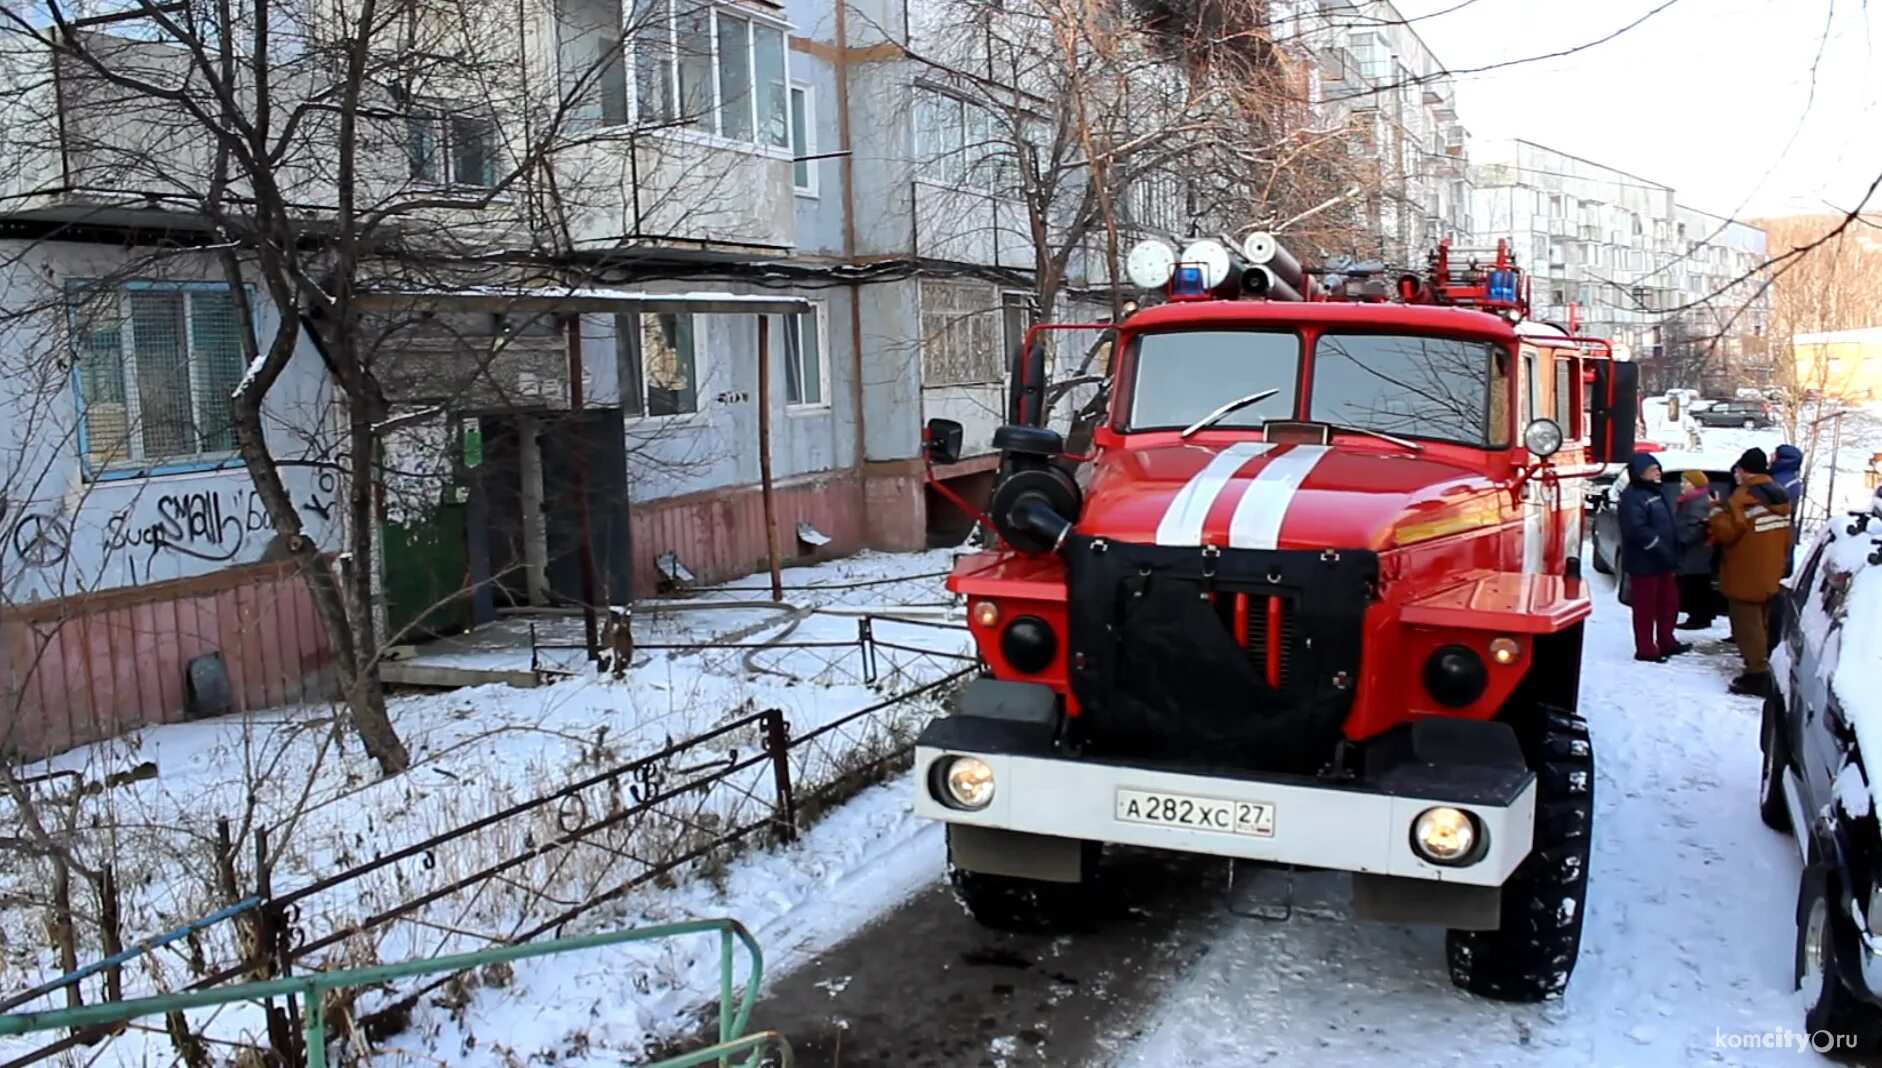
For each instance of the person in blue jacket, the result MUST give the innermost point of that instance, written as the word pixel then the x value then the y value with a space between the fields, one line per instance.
pixel 1650 552
pixel 1787 470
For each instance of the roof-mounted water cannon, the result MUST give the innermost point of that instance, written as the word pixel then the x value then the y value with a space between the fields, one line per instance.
pixel 1363 281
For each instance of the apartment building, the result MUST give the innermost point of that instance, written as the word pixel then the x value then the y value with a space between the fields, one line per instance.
pixel 1619 255
pixel 563 319
pixel 671 281
pixel 1376 79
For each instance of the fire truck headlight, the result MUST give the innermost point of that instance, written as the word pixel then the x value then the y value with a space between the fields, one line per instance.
pixel 1455 676
pixel 1447 836
pixel 1150 264
pixel 1029 644
pixel 965 783
pixel 1212 257
pixel 1544 438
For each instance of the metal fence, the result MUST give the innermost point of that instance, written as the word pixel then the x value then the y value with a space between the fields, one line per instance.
pixel 559 856
pixel 312 990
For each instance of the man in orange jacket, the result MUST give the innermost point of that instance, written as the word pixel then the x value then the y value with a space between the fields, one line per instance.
pixel 1752 528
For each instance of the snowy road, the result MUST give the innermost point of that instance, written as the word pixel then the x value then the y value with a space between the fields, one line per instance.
pixel 1686 959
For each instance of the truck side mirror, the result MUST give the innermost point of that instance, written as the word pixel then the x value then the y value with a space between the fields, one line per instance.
pixel 1027 388
pixel 943 441
pixel 1616 409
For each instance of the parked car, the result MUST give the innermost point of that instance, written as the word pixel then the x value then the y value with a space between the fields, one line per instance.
pixel 1826 700
pixel 1750 414
pixel 1605 523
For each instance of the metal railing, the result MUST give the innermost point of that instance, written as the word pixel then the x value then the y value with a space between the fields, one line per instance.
pixel 312 987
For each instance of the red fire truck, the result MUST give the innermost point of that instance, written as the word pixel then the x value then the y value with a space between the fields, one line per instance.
pixel 1312 600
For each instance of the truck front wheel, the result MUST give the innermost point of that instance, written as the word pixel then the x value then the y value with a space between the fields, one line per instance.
pixel 1010 903
pixel 1530 955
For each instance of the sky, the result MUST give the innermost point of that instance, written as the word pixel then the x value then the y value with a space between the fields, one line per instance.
pixel 1712 97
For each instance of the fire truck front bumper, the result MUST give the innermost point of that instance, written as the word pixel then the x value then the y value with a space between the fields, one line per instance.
pixel 1467 824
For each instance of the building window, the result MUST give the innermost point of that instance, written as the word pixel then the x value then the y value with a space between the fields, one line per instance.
pixel 963 144
pixel 459 150
pixel 155 372
pixel 806 365
pixel 711 68
pixel 659 364
pixel 803 139
pixel 960 334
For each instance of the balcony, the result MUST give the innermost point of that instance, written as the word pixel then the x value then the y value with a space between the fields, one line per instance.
pixel 81 149
pixel 1337 64
pixel 673 191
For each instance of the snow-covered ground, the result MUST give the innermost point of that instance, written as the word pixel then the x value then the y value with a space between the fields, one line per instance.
pixel 1688 938
pixel 1688 943
pixel 477 751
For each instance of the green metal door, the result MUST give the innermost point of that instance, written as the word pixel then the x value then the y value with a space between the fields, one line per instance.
pixel 427 565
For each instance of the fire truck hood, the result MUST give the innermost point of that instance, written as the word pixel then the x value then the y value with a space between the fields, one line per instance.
pixel 1253 495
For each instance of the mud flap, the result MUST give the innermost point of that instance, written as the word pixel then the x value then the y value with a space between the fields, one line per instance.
pixel 1275 892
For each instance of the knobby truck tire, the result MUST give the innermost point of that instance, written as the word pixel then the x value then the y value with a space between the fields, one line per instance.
pixel 1532 953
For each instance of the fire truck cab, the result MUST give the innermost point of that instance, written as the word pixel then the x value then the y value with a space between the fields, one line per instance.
pixel 1313 599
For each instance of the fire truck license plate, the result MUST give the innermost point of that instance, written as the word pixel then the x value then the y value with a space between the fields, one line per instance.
pixel 1252 818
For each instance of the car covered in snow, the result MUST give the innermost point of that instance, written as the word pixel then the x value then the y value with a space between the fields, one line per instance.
pixel 1824 716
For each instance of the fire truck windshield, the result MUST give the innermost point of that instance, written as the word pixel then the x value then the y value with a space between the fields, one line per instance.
pixel 1181 376
pixel 1449 389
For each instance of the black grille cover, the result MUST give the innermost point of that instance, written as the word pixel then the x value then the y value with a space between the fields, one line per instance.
pixel 1157 670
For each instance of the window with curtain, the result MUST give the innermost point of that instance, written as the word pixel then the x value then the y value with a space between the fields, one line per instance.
pixel 659 364
pixel 157 368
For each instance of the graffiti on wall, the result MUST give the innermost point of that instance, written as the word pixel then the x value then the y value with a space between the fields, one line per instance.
pixel 216 524
pixel 40 540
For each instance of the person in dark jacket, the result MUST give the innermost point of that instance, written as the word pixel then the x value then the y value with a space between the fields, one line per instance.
pixel 1650 556
pixel 1696 596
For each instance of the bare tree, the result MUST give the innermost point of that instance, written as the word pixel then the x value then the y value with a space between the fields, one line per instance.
pixel 314 155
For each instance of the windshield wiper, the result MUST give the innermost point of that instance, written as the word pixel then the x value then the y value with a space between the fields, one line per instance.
pixel 1380 434
pixel 1228 409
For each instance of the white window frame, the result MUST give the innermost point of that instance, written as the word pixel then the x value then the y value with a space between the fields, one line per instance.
pixel 809 188
pixel 708 132
pixel 795 324
pixel 979 174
